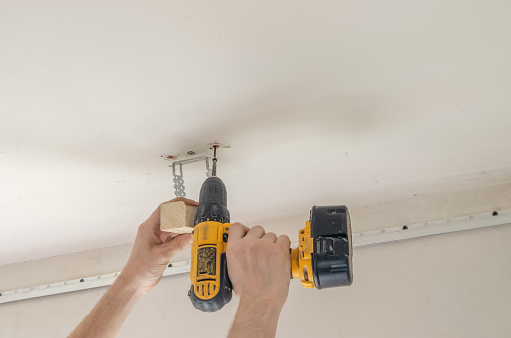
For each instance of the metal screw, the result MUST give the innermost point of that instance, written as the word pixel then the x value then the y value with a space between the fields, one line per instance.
pixel 191 152
pixel 495 213
pixel 405 227
pixel 170 265
pixel 82 280
pixel 383 231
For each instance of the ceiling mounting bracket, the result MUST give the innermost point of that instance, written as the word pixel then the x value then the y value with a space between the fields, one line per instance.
pixel 179 183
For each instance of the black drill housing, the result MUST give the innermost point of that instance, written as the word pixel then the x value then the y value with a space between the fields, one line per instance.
pixel 332 256
pixel 212 202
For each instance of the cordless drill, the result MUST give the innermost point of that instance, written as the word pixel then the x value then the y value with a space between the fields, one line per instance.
pixel 322 259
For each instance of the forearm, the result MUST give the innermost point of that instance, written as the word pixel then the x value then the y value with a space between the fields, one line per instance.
pixel 107 317
pixel 256 319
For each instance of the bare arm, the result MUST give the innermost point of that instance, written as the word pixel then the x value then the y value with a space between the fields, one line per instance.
pixel 107 317
pixel 255 319
pixel 151 253
pixel 259 267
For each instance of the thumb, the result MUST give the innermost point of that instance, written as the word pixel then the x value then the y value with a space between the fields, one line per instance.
pixel 178 243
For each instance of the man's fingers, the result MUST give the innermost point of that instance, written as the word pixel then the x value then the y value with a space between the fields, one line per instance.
pixel 270 237
pixel 167 236
pixel 179 243
pixel 186 200
pixel 237 231
pixel 256 232
pixel 283 241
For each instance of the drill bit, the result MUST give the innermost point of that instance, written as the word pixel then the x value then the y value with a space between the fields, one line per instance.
pixel 213 173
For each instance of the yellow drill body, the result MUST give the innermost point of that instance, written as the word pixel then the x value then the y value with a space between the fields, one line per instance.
pixel 207 249
pixel 321 260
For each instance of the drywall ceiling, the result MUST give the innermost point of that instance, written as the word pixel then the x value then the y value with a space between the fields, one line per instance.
pixel 322 102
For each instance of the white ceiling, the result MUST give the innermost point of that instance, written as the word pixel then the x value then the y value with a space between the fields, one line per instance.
pixel 321 101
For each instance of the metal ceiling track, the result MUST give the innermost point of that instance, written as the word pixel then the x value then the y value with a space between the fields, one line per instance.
pixel 360 239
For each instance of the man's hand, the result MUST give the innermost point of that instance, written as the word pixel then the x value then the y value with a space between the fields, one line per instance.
pixel 150 255
pixel 259 267
pixel 152 251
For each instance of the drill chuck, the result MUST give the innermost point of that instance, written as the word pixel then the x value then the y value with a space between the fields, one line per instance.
pixel 212 202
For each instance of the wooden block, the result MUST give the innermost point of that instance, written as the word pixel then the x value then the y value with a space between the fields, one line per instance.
pixel 177 217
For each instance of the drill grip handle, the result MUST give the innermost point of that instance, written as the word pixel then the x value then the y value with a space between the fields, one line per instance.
pixel 223 296
pixel 211 287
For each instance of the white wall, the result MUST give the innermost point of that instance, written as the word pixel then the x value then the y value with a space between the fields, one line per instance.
pixel 453 285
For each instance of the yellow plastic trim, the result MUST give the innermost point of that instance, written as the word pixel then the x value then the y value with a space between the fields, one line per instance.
pixel 208 238
pixel 301 264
